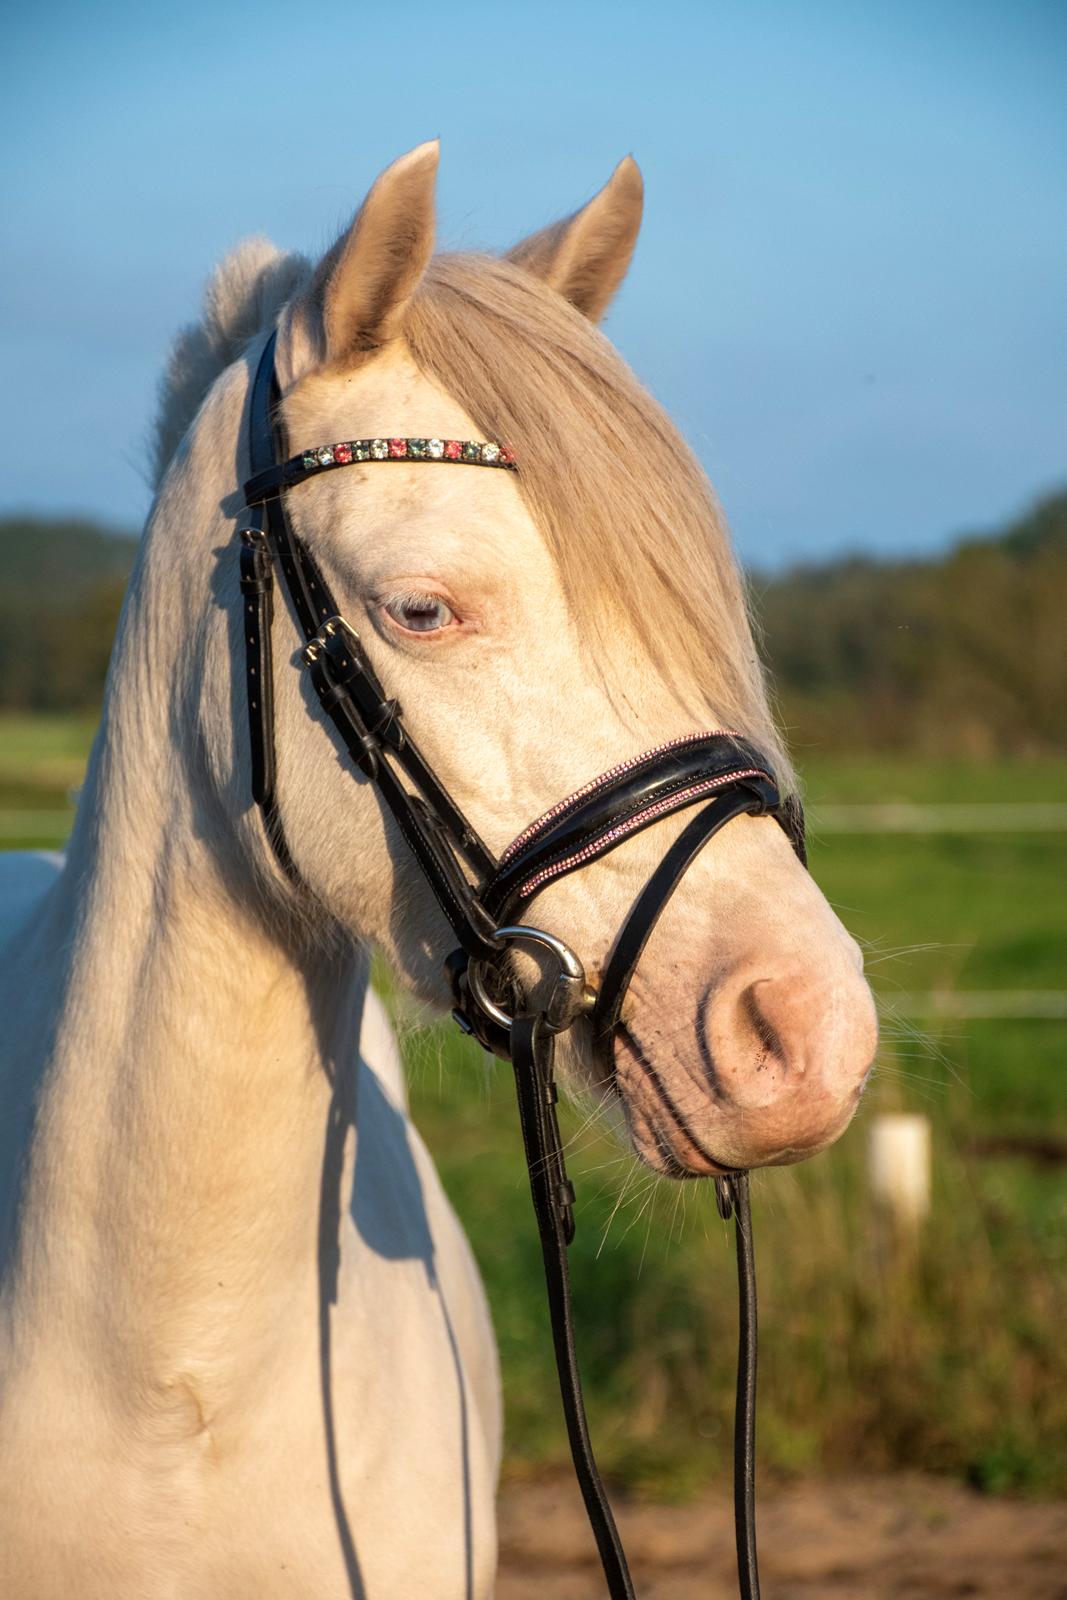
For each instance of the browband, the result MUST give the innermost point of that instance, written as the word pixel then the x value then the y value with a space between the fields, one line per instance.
pixel 271 481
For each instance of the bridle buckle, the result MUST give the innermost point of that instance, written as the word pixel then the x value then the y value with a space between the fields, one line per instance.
pixel 319 642
pixel 571 997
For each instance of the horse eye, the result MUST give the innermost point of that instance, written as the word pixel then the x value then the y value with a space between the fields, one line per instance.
pixel 419 613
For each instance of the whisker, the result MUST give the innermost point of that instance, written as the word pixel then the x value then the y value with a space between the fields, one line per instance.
pixel 597 1114
pixel 648 1229
pixel 623 1192
pixel 649 1196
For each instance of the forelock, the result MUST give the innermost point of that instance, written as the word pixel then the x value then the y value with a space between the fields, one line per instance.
pixel 631 519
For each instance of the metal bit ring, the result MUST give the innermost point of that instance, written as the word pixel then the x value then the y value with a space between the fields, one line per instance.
pixel 571 996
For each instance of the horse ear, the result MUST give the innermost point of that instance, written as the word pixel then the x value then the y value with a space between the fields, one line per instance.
pixel 585 256
pixel 365 282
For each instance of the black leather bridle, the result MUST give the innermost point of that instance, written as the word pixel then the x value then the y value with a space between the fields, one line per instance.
pixel 485 899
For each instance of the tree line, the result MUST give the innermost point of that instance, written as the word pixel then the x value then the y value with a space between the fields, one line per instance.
pixel 964 655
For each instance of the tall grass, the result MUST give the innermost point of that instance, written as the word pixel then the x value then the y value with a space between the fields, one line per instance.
pixel 946 1354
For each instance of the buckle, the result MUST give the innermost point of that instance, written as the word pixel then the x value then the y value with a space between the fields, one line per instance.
pixel 331 627
pixel 571 995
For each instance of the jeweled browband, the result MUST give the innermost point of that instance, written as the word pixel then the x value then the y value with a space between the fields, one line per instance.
pixel 309 463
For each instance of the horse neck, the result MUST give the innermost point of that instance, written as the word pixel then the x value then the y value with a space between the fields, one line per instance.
pixel 178 1044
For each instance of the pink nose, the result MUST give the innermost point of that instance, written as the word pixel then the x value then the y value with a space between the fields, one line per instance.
pixel 790 1054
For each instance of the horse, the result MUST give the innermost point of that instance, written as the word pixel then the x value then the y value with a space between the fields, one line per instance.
pixel 244 1343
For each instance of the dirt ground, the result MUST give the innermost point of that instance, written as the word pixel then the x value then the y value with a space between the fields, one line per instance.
pixel 875 1537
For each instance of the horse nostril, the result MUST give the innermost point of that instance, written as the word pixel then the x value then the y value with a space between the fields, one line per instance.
pixel 771 1035
pixel 758 1020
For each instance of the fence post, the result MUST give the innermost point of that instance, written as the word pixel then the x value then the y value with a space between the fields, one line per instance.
pixel 898 1169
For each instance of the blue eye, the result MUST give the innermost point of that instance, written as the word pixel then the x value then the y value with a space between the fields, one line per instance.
pixel 419 613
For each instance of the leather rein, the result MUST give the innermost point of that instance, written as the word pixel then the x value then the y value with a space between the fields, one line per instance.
pixel 485 898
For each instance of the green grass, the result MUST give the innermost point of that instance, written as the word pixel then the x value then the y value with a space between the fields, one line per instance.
pixel 45 750
pixel 860 780
pixel 949 1356
pixel 961 912
pixel 42 760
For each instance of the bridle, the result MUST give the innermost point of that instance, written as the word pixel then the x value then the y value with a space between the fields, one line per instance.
pixel 485 899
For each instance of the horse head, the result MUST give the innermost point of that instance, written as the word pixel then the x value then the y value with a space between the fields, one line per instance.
pixel 540 627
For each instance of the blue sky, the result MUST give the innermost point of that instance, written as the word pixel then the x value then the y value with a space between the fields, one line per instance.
pixel 850 287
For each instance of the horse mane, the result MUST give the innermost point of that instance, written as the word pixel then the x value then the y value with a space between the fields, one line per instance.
pixel 638 536
pixel 633 523
pixel 242 297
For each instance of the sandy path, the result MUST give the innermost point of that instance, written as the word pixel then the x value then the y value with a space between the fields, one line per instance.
pixel 877 1537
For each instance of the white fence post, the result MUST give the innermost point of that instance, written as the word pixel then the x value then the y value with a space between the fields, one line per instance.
pixel 898 1166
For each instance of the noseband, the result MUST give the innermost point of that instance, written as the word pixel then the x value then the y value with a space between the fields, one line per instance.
pixel 485 899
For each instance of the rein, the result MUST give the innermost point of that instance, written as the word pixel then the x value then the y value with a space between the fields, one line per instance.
pixel 485 899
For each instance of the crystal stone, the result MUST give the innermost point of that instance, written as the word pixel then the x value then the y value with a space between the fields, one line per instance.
pixel 490 454
pixel 435 449
pixel 361 450
pixel 325 455
pixel 472 450
pixel 417 449
pixel 379 449
pixel 310 459
pixel 398 449
pixel 342 453
pixel 453 449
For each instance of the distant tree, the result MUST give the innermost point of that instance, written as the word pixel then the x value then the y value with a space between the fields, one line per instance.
pixel 966 655
pixel 62 588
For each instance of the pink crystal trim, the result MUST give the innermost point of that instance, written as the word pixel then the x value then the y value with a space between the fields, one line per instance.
pixel 614 835
pixel 563 806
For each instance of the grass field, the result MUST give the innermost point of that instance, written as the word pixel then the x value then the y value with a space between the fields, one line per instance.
pixel 949 1356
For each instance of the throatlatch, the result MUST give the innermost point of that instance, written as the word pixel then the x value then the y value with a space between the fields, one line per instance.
pixel 485 899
